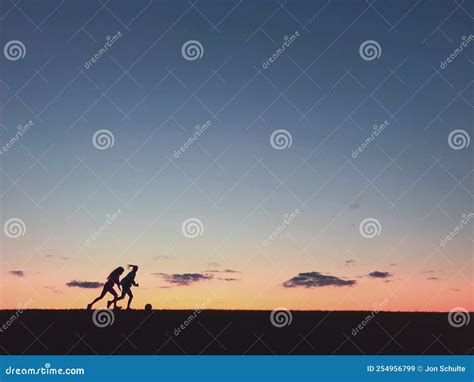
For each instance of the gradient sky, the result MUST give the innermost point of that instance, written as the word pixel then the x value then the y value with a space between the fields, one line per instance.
pixel 231 179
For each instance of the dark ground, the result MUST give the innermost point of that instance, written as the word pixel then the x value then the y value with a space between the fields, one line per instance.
pixel 232 332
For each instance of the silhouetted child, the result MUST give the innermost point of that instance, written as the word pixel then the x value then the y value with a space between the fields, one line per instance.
pixel 127 283
pixel 109 287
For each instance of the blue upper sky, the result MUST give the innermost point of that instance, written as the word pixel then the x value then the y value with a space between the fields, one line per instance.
pixel 319 89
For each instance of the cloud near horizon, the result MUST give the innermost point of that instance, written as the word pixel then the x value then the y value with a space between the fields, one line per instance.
pixel 186 279
pixel 379 275
pixel 222 271
pixel 316 279
pixel 85 284
pixel 227 279
pixel 17 273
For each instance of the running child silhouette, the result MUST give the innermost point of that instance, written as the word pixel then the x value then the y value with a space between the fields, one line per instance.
pixel 127 283
pixel 112 279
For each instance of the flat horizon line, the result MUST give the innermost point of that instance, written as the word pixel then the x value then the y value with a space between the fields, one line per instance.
pixel 232 310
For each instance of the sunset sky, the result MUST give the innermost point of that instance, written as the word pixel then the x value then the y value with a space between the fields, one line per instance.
pixel 320 90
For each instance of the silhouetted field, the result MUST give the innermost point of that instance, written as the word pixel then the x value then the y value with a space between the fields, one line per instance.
pixel 231 332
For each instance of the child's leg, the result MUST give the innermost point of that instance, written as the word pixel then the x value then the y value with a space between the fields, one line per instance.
pixel 130 298
pixel 114 293
pixel 122 296
pixel 98 298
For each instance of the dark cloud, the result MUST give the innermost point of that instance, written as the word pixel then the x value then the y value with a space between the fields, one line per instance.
pixel 17 273
pixel 162 257
pixel 185 278
pixel 379 275
pixel 59 257
pixel 214 264
pixel 222 271
pixel 433 278
pixel 348 263
pixel 393 264
pixel 84 284
pixel 316 279
pixel 354 205
pixel 227 279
